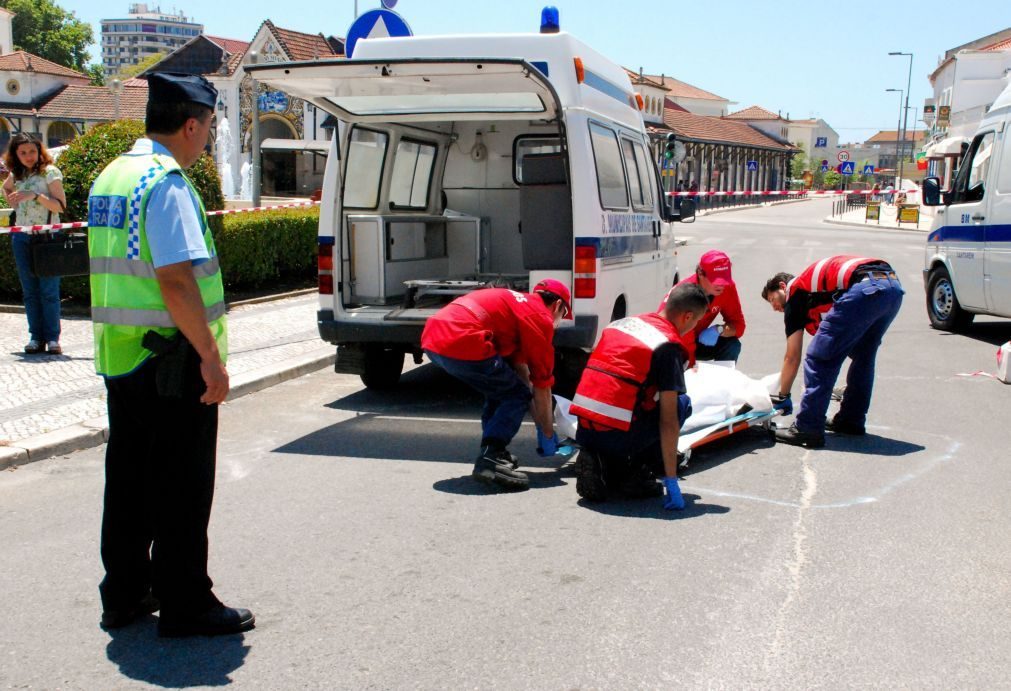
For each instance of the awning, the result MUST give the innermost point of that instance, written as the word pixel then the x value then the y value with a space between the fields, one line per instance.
pixel 951 146
pixel 319 146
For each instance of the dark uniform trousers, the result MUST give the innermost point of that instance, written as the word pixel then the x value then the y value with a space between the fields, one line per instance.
pixel 159 484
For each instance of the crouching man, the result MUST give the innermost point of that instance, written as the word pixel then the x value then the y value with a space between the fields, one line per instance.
pixel 631 402
pixel 499 342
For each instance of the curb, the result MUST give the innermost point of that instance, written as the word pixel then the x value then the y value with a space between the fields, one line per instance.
pixel 82 311
pixel 867 226
pixel 95 432
pixel 710 212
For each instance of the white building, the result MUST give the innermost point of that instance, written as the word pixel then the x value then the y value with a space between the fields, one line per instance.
pixel 691 98
pixel 814 135
pixel 142 33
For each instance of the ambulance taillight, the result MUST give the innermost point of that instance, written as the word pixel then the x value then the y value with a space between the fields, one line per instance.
pixel 586 271
pixel 324 267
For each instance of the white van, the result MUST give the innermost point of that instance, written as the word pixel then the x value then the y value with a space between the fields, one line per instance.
pixel 471 161
pixel 968 259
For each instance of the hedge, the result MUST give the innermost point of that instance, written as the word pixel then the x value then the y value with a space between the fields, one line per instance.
pixel 254 249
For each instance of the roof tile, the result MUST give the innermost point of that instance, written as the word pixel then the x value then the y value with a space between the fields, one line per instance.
pixel 76 102
pixel 710 128
pixel 682 89
pixel 21 61
pixel 754 113
pixel 302 46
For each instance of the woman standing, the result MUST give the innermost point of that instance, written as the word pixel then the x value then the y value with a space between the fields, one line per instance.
pixel 34 189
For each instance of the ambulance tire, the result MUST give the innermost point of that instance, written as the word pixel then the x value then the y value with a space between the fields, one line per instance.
pixel 943 308
pixel 383 366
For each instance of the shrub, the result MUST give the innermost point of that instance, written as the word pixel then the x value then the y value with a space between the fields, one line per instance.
pixel 88 155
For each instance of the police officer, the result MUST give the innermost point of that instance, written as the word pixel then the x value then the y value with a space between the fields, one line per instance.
pixel 847 303
pixel 631 402
pixel 715 341
pixel 160 343
pixel 499 341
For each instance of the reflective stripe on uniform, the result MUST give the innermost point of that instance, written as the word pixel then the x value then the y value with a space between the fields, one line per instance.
pixel 123 316
pixel 117 266
pixel 601 408
pixel 816 275
pixel 647 334
pixel 841 279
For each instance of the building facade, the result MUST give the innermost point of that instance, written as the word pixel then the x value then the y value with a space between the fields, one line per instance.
pixel 813 135
pixel 142 33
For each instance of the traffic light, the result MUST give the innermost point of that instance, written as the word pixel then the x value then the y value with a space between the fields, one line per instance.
pixel 668 151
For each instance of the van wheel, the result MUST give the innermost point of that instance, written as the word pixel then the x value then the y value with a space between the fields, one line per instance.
pixel 943 308
pixel 382 367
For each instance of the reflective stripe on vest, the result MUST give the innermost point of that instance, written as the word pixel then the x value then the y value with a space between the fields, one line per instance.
pixel 126 296
pixel 828 275
pixel 618 368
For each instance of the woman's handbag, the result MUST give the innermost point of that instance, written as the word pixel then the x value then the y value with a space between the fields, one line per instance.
pixel 57 253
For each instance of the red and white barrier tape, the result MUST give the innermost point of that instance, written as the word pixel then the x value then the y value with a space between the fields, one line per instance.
pixel 83 224
pixel 787 193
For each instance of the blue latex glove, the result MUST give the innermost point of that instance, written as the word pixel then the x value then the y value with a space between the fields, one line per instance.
pixel 709 336
pixel 546 446
pixel 783 404
pixel 673 501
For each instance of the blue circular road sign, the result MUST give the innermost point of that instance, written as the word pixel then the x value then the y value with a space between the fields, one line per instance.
pixel 375 24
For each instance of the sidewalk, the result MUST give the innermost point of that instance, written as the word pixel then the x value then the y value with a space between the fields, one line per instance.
pixel 856 217
pixel 54 404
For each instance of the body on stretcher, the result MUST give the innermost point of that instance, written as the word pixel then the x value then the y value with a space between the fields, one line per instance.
pixel 725 401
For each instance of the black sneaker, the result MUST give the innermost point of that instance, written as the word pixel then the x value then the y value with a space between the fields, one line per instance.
pixel 641 484
pixel 792 435
pixel 590 483
pixel 498 467
pixel 843 427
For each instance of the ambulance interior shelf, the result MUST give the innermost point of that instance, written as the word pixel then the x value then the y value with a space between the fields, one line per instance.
pixel 388 251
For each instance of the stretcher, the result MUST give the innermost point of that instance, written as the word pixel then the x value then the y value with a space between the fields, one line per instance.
pixel 720 430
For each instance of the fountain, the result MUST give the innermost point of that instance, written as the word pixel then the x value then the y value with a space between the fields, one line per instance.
pixel 246 178
pixel 224 155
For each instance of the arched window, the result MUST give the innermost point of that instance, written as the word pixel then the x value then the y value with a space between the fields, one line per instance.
pixel 59 133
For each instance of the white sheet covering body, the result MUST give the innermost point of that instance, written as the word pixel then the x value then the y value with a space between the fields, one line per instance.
pixel 717 391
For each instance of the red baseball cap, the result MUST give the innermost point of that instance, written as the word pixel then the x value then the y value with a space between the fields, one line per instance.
pixel 716 266
pixel 556 287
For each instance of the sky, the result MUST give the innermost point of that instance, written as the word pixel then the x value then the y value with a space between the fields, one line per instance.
pixel 808 59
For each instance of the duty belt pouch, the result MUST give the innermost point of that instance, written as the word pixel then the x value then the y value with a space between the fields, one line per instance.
pixel 173 359
pixel 59 254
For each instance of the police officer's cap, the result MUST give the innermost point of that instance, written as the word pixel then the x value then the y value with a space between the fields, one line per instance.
pixel 172 87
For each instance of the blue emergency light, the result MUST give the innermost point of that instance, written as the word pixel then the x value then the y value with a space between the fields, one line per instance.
pixel 549 20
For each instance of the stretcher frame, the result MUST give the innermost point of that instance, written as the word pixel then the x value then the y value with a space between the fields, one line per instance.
pixel 720 430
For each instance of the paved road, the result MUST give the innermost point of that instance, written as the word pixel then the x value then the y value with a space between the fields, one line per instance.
pixel 346 521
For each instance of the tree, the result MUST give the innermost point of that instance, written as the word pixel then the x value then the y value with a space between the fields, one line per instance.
pixel 97 74
pixel 832 179
pixel 130 71
pixel 45 29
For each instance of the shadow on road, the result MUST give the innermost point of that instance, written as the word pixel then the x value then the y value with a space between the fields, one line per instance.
pixel 424 391
pixel 653 508
pixel 175 663
pixel 995 333
pixel 871 445
pixel 732 448
pixel 468 486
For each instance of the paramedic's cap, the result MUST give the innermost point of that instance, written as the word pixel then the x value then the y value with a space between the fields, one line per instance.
pixel 716 266
pixel 556 287
pixel 171 87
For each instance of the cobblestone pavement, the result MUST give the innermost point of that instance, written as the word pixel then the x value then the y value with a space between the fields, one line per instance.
pixel 43 393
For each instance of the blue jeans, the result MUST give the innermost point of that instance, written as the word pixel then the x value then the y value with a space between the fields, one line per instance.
pixel 853 329
pixel 725 349
pixel 506 397
pixel 641 443
pixel 41 295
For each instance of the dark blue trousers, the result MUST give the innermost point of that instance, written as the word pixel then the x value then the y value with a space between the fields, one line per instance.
pixel 506 397
pixel 852 329
pixel 725 349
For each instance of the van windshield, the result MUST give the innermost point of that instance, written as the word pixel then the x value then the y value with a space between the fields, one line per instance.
pixel 416 104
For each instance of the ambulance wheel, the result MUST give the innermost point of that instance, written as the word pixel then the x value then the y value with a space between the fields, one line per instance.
pixel 943 307
pixel 382 367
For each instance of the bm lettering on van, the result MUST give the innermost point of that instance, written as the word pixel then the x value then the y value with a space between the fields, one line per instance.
pixel 627 224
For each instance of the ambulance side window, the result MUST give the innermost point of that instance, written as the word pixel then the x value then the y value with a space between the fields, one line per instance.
pixel 412 173
pixel 1004 174
pixel 610 175
pixel 366 154
pixel 526 145
pixel 972 177
pixel 637 167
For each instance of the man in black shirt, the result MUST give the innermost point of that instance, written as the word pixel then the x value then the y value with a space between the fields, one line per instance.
pixel 847 304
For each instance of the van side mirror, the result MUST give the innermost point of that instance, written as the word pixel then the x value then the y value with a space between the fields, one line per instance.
pixel 931 192
pixel 687 210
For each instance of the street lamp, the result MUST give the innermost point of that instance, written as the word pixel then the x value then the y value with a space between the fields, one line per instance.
pixel 905 112
pixel 898 133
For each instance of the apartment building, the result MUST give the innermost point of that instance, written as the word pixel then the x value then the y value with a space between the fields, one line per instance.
pixel 144 32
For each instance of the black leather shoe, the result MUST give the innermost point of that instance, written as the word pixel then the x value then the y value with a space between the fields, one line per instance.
pixel 792 435
pixel 217 621
pixel 498 467
pixel 118 618
pixel 842 427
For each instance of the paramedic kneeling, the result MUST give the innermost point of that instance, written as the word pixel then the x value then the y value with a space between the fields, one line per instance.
pixel 847 304
pixel 499 342
pixel 709 341
pixel 631 402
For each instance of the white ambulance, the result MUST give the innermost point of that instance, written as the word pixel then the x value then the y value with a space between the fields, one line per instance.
pixel 471 161
pixel 967 270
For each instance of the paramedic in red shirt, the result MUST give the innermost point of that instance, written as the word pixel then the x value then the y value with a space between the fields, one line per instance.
pixel 715 341
pixel 499 342
pixel 847 303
